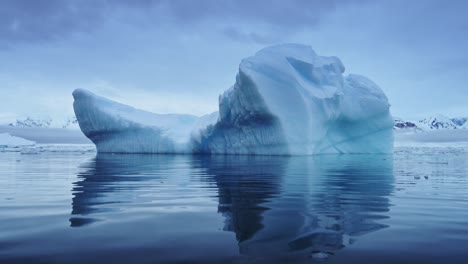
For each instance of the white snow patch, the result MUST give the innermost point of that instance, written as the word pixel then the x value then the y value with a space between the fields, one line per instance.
pixel 7 140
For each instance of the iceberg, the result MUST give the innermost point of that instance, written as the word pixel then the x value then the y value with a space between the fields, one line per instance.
pixel 286 100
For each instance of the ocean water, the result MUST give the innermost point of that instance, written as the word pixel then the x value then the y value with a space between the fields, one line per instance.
pixel 79 207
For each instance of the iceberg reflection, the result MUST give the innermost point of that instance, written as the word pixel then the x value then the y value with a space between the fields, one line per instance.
pixel 274 205
pixel 284 204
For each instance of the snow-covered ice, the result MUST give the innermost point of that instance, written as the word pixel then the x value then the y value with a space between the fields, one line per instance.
pixel 9 141
pixel 286 100
pixel 48 148
pixel 46 135
pixel 115 127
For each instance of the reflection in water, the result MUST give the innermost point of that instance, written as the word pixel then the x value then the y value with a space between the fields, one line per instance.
pixel 347 195
pixel 244 184
pixel 274 205
pixel 109 180
pixel 279 204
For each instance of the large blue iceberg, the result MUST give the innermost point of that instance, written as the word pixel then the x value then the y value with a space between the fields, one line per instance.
pixel 286 100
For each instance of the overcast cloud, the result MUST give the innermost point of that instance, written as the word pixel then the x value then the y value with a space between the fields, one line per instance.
pixel 177 56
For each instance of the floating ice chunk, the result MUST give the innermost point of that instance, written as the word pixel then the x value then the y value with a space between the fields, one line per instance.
pixel 286 100
pixel 318 255
pixel 7 140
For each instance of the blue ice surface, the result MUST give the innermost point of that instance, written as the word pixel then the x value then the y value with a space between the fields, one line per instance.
pixel 286 100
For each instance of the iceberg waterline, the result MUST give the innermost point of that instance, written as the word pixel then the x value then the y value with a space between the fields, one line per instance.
pixel 286 100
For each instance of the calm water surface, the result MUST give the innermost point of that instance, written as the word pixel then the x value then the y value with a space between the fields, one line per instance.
pixel 83 208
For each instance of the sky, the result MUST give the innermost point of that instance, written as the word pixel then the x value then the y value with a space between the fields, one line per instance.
pixel 177 56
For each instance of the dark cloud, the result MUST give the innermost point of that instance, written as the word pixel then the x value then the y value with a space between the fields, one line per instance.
pixel 24 21
pixel 47 20
pixel 285 13
pixel 411 48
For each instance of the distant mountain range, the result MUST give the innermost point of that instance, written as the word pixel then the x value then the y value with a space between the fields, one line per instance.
pixel 47 122
pixel 436 122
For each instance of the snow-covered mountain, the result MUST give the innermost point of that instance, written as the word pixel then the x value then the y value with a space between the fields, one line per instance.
pixel 462 122
pixel 435 122
pixel 46 122
pixel 71 123
pixel 402 125
pixel 432 123
pixel 30 122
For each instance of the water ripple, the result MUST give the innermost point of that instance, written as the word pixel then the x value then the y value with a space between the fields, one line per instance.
pixel 204 208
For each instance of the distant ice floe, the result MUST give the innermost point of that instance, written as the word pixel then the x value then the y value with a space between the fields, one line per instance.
pixel 9 141
pixel 455 136
pixel 15 144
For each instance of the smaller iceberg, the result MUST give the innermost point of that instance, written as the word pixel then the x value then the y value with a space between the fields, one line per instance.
pixel 286 100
